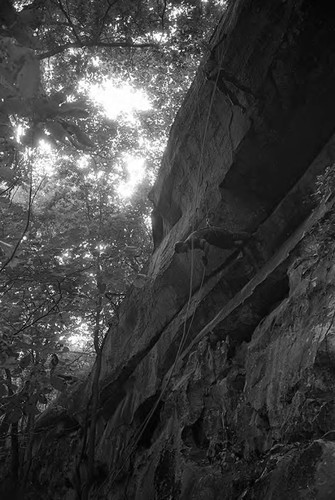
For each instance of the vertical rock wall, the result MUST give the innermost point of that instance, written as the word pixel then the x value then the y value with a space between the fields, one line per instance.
pixel 218 381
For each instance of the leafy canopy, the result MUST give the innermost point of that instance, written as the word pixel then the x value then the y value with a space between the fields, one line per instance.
pixel 88 91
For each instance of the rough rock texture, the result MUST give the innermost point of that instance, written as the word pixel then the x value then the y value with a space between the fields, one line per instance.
pixel 218 382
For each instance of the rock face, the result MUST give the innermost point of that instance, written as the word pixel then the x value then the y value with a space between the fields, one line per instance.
pixel 218 382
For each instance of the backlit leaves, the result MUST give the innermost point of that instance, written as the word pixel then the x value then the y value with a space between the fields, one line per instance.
pixel 82 242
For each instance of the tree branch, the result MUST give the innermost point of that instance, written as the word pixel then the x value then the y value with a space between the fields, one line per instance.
pixel 67 17
pixel 163 14
pixel 104 17
pixel 89 44
pixel 32 323
pixel 11 257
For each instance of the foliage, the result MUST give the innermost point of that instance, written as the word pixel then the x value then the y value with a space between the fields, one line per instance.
pixel 70 243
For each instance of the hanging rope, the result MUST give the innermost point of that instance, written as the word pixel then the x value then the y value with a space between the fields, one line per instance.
pixel 132 446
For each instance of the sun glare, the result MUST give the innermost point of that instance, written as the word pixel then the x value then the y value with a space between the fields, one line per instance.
pixel 118 100
pixel 136 169
pixel 81 333
pixel 83 161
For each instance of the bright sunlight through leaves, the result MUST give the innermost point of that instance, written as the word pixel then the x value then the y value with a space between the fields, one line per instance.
pixel 117 100
pixel 136 170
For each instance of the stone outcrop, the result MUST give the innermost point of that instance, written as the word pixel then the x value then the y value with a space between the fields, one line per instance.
pixel 218 381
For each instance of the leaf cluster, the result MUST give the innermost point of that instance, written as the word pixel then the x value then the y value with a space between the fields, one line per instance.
pixel 70 246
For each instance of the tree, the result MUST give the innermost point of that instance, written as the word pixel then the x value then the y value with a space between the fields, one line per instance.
pixel 70 246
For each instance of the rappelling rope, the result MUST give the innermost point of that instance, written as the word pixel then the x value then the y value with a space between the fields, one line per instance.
pixel 186 330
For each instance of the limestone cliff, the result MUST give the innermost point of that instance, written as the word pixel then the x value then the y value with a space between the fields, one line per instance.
pixel 218 382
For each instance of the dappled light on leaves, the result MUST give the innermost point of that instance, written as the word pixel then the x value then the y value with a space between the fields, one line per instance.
pixel 88 92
